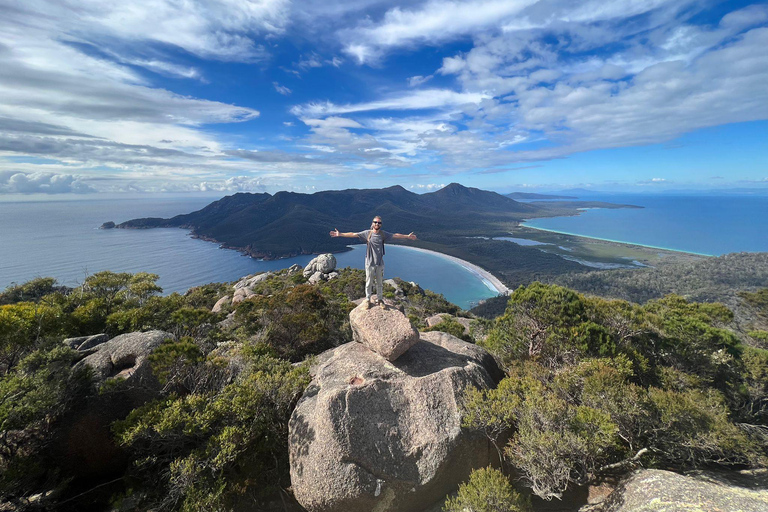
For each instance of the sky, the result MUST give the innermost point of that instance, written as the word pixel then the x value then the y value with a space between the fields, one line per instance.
pixel 102 99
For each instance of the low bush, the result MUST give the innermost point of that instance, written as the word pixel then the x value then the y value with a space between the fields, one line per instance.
pixel 487 490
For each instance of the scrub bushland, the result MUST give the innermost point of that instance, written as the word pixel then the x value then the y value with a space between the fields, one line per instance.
pixel 596 387
pixel 593 387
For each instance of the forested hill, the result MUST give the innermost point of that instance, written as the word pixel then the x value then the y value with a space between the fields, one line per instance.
pixel 289 223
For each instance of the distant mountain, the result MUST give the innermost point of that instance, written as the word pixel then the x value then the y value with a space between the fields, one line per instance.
pixel 531 195
pixel 289 223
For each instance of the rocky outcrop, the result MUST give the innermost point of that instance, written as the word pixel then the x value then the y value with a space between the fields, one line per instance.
pixel 399 292
pixel 369 434
pixel 249 281
pixel 440 317
pixel 321 269
pixel 221 303
pixel 384 330
pixel 83 343
pixel 651 490
pixel 85 445
pixel 125 356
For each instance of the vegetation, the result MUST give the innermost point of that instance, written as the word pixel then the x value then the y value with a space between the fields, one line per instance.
pixel 214 448
pixel 724 279
pixel 488 490
pixel 595 387
pixel 34 395
pixel 451 326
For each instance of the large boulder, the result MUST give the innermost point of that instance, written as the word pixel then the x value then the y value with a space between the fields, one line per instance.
pixel 385 330
pixel 125 356
pixel 325 264
pixel 84 445
pixel 249 281
pixel 83 343
pixel 220 304
pixel 652 490
pixel 373 435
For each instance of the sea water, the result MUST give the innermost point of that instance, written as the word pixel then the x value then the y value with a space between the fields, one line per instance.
pixel 61 239
pixel 708 225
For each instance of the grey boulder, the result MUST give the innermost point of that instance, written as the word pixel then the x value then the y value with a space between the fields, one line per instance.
pixel 220 304
pixel 82 343
pixel 316 278
pixel 386 331
pixel 325 264
pixel 653 490
pixel 84 444
pixel 125 356
pixel 373 435
pixel 249 281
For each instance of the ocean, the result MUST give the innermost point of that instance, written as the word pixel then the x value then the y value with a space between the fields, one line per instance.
pixel 700 224
pixel 61 239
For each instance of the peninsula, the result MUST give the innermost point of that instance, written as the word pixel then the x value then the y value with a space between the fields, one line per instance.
pixel 456 220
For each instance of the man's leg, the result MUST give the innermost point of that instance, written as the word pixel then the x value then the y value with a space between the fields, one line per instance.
pixel 369 276
pixel 380 283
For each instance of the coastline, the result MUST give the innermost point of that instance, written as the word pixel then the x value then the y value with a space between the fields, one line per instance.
pixel 523 224
pixel 491 281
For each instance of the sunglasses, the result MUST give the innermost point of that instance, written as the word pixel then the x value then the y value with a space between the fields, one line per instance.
pixel 377 222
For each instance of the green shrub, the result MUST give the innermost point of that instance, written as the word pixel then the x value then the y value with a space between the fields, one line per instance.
pixel 758 300
pixel 451 326
pixel 31 291
pixel 296 322
pixel 171 358
pixel 207 451
pixel 488 490
pixel 33 396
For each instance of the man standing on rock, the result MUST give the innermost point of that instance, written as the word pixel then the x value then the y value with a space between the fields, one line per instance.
pixel 374 256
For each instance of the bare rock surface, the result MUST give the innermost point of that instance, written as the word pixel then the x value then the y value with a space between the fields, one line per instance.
pixel 385 330
pixel 652 490
pixel 220 304
pixel 249 281
pixel 325 264
pixel 382 436
pixel 82 343
pixel 316 278
pixel 125 356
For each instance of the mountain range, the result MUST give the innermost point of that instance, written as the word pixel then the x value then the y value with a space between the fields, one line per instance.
pixel 289 223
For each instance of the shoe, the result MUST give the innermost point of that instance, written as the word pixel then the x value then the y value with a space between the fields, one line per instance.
pixel 368 304
pixel 382 304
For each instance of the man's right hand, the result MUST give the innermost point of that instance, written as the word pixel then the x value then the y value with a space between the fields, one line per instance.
pixel 335 233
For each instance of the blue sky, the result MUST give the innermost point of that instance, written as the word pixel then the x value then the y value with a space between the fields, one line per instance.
pixel 215 97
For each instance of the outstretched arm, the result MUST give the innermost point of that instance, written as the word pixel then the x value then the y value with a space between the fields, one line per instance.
pixel 336 233
pixel 399 236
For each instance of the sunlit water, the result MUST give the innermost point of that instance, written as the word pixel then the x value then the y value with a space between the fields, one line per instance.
pixel 61 239
pixel 700 224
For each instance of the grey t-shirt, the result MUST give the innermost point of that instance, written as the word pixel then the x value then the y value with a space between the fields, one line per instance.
pixel 375 253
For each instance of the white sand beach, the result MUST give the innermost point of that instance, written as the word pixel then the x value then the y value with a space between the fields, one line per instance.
pixel 491 281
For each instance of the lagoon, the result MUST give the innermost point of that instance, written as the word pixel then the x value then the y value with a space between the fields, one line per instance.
pixel 709 225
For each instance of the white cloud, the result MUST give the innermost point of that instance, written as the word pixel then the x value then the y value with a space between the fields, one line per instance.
pixel 12 182
pixel 218 29
pixel 654 181
pixel 432 22
pixel 417 80
pixel 281 89
pixel 428 187
pixel 414 100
